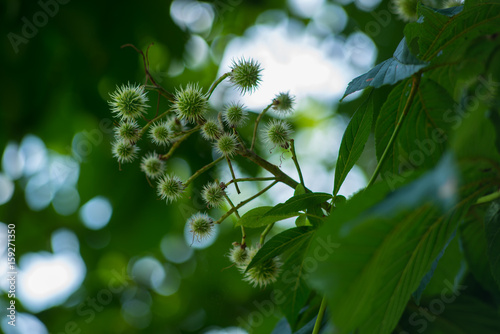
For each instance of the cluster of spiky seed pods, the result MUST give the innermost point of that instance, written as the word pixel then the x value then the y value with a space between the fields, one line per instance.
pixel 190 113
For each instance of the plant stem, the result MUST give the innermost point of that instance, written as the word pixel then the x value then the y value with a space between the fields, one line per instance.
pixel 319 319
pixel 202 170
pixel 264 233
pixel 148 124
pixel 488 198
pixel 243 234
pixel 273 169
pixel 216 83
pixel 251 179
pixel 178 143
pixel 233 175
pixel 227 214
pixel 257 125
pixel 296 162
pixel 413 92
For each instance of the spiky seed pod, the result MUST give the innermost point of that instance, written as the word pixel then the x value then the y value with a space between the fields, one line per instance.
pixel 170 188
pixel 283 103
pixel 152 165
pixel 190 103
pixel 239 256
pixel 406 9
pixel 262 274
pixel 235 115
pixel 128 131
pixel 227 144
pixel 245 75
pixel 124 151
pixel 277 132
pixel 213 195
pixel 211 130
pixel 128 102
pixel 201 225
pixel 160 133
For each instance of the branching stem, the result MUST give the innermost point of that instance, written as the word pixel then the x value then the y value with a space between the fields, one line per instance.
pixel 257 125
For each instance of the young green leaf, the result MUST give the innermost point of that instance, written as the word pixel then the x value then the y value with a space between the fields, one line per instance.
pixel 257 217
pixel 280 243
pixel 298 203
pixel 353 142
pixel 402 65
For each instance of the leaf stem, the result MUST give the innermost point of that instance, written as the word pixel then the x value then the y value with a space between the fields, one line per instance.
pixel 227 214
pixel 257 125
pixel 216 83
pixel 296 162
pixel 413 92
pixel 264 233
pixel 202 170
pixel 319 319
pixel 488 198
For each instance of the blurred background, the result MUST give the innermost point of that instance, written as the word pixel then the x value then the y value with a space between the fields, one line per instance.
pixel 97 252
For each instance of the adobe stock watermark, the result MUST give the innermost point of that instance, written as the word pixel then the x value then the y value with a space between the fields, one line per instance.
pixel 453 117
pixel 435 307
pixel 267 308
pixel 96 304
pixel 30 27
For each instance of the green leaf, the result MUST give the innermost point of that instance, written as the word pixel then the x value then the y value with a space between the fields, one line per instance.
pixel 426 128
pixel 257 217
pixel 299 190
pixel 423 135
pixel 387 119
pixel 386 248
pixel 438 35
pixel 492 229
pixel 428 276
pixel 280 243
pixel 450 313
pixel 353 142
pixel 298 203
pixel 402 65
pixel 291 282
pixel 301 220
pixel 450 268
pixel 473 240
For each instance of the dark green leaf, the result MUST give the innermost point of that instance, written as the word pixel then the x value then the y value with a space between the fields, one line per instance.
pixel 298 203
pixel 492 230
pixel 291 282
pixel 473 240
pixel 280 243
pixel 385 251
pixel 439 39
pixel 450 313
pixel 402 65
pixel 353 142
pixel 257 217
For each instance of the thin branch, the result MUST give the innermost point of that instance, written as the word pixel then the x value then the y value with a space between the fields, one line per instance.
pixel 257 125
pixel 232 174
pixel 202 170
pixel 227 214
pixel 216 83
pixel 251 179
pixel 296 162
